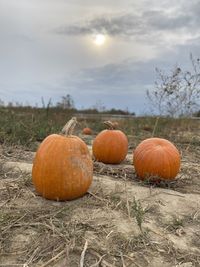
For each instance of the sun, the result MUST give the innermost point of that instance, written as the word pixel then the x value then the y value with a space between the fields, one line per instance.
pixel 99 39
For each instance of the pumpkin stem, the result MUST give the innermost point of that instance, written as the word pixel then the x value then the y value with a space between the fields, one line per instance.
pixel 109 124
pixel 69 127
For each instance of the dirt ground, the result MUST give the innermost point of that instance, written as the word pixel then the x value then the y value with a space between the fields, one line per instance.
pixel 121 221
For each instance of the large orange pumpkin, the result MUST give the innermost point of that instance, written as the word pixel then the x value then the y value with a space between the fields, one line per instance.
pixel 110 145
pixel 62 167
pixel 156 157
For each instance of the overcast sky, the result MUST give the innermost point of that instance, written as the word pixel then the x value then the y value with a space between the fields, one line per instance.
pixel 47 48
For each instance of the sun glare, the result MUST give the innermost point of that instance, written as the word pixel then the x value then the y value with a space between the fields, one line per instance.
pixel 99 39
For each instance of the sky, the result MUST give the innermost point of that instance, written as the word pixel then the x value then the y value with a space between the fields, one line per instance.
pixel 48 49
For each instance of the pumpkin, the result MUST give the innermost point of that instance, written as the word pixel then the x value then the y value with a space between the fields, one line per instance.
pixel 87 131
pixel 62 167
pixel 156 157
pixel 110 145
pixel 147 128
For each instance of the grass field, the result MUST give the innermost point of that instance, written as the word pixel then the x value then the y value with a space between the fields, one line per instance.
pixel 120 222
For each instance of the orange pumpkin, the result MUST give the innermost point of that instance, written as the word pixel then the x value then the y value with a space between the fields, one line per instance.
pixel 87 131
pixel 62 167
pixel 156 157
pixel 110 145
pixel 147 128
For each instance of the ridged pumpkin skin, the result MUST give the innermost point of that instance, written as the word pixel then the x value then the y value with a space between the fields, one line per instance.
pixel 156 157
pixel 62 168
pixel 110 146
pixel 87 131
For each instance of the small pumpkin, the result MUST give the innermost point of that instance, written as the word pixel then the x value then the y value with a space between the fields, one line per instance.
pixel 62 167
pixel 87 131
pixel 147 128
pixel 156 157
pixel 110 146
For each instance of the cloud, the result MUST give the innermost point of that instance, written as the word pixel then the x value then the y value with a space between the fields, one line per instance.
pixel 123 78
pixel 145 22
pixel 129 77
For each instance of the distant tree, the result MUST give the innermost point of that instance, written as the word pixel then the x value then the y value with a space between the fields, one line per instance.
pixel 18 104
pixel 118 111
pixel 178 93
pixel 99 106
pixel 48 105
pixel 2 103
pixel 197 114
pixel 10 104
pixel 67 102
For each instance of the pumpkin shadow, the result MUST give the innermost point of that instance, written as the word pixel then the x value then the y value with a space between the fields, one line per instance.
pixel 155 181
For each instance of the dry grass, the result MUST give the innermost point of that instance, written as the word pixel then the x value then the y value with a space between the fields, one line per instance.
pixel 121 222
pixel 38 232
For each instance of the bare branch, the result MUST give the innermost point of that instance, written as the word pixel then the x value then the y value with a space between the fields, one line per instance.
pixel 178 93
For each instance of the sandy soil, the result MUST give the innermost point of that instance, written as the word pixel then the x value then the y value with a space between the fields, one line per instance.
pixel 121 221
